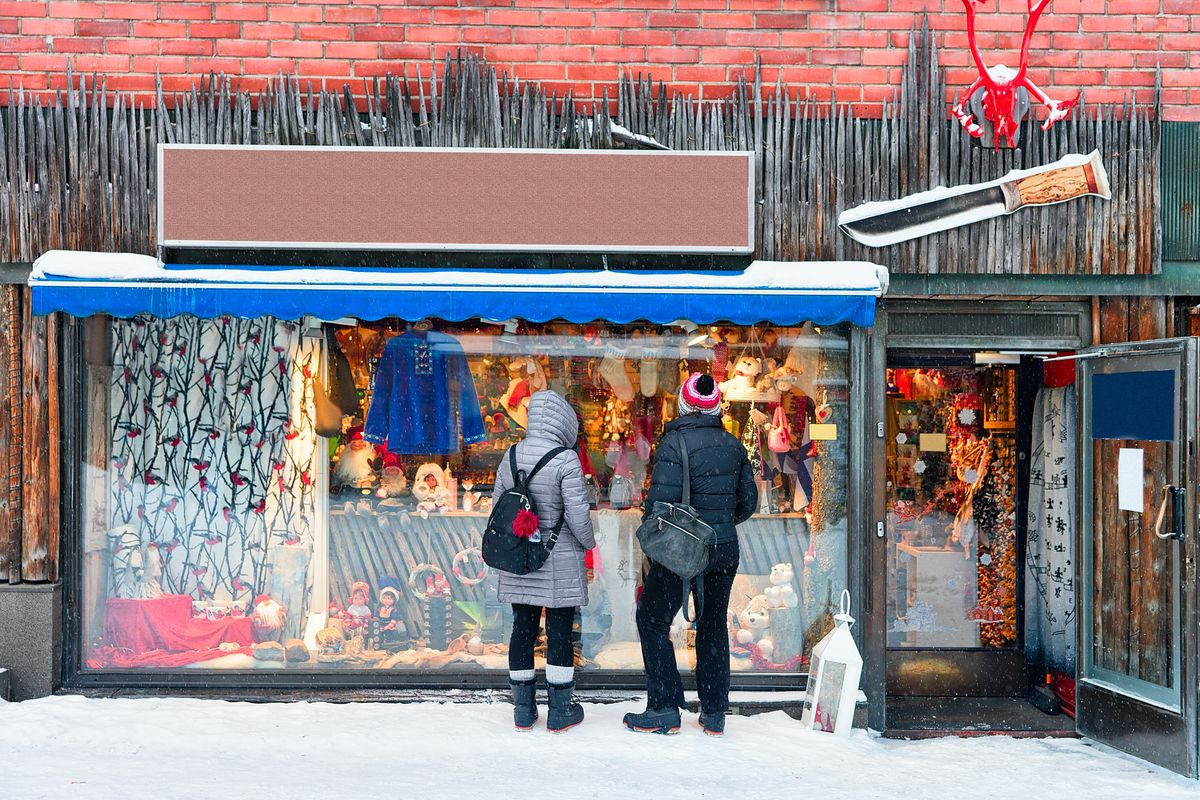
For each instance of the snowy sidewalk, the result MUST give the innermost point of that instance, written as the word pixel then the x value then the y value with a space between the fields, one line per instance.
pixel 72 747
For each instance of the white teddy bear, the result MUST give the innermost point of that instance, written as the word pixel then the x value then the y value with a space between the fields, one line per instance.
pixel 780 593
pixel 743 378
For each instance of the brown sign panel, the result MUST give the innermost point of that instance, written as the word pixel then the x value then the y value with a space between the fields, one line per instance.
pixel 455 199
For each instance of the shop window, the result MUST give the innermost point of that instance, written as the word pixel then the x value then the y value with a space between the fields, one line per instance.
pixel 270 495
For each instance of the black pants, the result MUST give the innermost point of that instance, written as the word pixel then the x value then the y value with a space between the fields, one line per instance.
pixel 662 596
pixel 526 622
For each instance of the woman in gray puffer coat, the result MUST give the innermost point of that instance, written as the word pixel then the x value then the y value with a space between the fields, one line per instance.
pixel 560 586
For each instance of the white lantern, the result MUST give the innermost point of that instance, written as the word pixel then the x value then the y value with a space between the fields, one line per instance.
pixel 833 677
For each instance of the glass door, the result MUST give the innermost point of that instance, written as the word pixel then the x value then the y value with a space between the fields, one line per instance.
pixel 1137 687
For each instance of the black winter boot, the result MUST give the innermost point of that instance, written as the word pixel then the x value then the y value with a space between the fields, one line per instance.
pixel 564 712
pixel 525 711
pixel 713 724
pixel 654 720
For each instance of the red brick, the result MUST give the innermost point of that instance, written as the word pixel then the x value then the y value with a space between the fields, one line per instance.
pixel 18 44
pixel 72 44
pixel 401 52
pixel 1166 60
pixel 134 47
pixel 557 53
pixel 91 63
pixel 594 3
pixel 508 16
pixel 270 31
pixel 835 21
pixel 1106 23
pixel 130 10
pixel 364 50
pixel 242 48
pixel 620 19
pixel 77 10
pixel 20 9
pixel 241 12
pixel 753 38
pixel 1106 60
pixel 806 39
pixel 782 56
pixel 568 19
pixel 647 37
pixel 1134 6
pixel 323 67
pixel 160 64
pixel 1120 77
pixel 207 64
pixel 673 55
pixel 704 38
pixel 354 14
pixel 700 74
pixel 86 27
pixel 325 33
pixel 1181 41
pixel 294 14
pixel 188 47
pixel 604 36
pixel 783 21
pixel 10 26
pixel 165 30
pixel 268 66
pixel 1175 77
pixel 1179 6
pixel 297 49
pixel 379 33
pixel 730 55
pixel 647 4
pixel 509 53
pixel 1121 41
pixel 47 27
pixel 593 72
pixel 131 83
pixel 404 16
pixel 537 35
pixel 214 30
pixel 192 12
pixel 431 33
pixel 658 20
pixel 486 35
pixel 836 57
pixel 44 61
pixel 459 16
pixel 629 55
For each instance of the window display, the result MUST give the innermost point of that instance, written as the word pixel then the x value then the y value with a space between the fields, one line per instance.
pixel 265 494
pixel 952 494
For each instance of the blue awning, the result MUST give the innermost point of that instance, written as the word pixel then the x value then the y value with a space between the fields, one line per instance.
pixel 777 292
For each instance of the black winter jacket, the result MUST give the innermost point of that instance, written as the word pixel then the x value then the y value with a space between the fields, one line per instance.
pixel 723 488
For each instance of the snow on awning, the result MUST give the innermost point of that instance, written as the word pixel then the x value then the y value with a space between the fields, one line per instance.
pixel 778 292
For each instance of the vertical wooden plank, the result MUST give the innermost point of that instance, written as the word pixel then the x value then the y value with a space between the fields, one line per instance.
pixel 35 519
pixel 10 529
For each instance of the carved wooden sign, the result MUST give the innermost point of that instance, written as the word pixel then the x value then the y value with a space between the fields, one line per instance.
pixel 883 223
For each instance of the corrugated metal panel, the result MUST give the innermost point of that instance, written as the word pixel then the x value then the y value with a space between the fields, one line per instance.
pixel 995 323
pixel 1181 191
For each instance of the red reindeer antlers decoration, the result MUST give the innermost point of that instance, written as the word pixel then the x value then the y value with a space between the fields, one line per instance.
pixel 999 86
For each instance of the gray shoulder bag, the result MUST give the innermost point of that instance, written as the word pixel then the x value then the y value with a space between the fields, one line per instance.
pixel 674 536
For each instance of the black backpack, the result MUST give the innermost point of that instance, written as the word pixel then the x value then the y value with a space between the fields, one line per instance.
pixel 511 541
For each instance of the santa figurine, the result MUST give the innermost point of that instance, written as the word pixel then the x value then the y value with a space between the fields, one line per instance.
pixel 355 468
pixel 358 613
pixel 267 618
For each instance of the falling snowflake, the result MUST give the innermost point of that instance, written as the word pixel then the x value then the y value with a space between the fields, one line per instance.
pixel 919 467
pixel 901 438
pixel 967 416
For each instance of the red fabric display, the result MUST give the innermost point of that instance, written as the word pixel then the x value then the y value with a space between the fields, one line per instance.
pixel 166 623
pixel 111 657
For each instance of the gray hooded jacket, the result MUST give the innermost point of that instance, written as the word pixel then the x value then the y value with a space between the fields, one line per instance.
pixel 562 580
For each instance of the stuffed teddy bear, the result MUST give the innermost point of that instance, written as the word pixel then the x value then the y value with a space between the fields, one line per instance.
pixel 754 625
pixel 741 383
pixel 780 593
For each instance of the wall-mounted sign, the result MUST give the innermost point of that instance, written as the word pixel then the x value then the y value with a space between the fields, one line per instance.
pixel 1000 95
pixel 890 222
pixel 426 199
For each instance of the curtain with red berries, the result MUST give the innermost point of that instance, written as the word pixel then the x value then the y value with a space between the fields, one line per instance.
pixel 213 446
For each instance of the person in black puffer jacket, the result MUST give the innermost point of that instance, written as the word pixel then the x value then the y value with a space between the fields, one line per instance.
pixel 724 494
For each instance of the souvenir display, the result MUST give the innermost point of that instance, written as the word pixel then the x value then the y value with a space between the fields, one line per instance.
pixel 404 424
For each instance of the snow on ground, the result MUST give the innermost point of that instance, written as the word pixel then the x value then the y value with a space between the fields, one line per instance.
pixel 168 748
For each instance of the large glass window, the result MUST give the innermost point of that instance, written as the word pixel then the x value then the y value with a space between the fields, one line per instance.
pixel 269 494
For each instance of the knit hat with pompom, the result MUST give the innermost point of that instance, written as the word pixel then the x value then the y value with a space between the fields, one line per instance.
pixel 699 395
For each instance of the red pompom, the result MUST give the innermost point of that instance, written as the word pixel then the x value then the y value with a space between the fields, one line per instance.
pixel 526 524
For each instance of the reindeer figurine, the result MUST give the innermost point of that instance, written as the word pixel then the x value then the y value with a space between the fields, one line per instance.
pixel 1000 84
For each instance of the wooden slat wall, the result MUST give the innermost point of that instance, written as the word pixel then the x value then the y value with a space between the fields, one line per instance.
pixel 79 173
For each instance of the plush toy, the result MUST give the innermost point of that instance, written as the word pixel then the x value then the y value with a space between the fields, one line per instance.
pixel 754 624
pixel 780 593
pixel 742 381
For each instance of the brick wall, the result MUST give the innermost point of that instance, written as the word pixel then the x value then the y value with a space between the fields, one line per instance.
pixel 1108 47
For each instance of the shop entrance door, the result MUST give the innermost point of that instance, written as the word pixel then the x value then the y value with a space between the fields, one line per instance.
pixel 1137 687
pixel 956 434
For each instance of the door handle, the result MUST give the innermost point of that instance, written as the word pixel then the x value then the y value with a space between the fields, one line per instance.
pixel 1174 497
